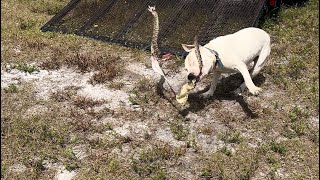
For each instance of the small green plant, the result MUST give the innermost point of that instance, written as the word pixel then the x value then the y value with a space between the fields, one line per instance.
pixel 245 174
pixel 151 160
pixel 278 148
pixel 226 151
pixel 37 168
pixel 231 137
pixel 192 143
pixel 159 175
pixel 178 130
pixel 3 169
pixel 300 128
pixel 113 166
pixel 272 160
pixel 72 166
pixel 26 24
pixel 206 173
pixel 70 154
pixel 12 88
pixel 295 114
pixel 274 165
pixel 27 68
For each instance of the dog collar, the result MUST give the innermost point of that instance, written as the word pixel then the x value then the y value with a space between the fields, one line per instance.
pixel 218 60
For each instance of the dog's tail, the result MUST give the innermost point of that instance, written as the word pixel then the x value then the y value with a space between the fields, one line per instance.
pixel 265 52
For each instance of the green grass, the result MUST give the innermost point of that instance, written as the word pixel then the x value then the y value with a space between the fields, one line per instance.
pixel 280 137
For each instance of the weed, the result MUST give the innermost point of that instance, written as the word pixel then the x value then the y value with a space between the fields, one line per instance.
pixel 37 167
pixel 70 154
pixel 144 84
pixel 240 165
pixel 144 93
pixel 100 114
pixel 207 130
pixel 64 95
pixel 103 127
pixel 72 166
pixel 51 64
pixel 296 66
pixel 295 114
pixel 159 175
pixel 85 102
pixel 231 137
pixel 245 174
pixel 113 166
pixel 278 147
pixel 116 85
pixel 12 88
pixel 79 123
pixel 3 170
pixel 37 44
pixel 314 136
pixel 104 75
pixel 300 128
pixel 274 165
pixel 192 143
pixel 26 24
pixel 298 121
pixel 226 151
pixel 150 161
pixel 288 132
pixel 206 173
pixel 178 130
pixel 27 68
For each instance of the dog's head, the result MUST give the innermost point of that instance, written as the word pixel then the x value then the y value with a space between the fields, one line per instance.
pixel 193 61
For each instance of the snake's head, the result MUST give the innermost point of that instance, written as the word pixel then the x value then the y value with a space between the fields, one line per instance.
pixel 152 9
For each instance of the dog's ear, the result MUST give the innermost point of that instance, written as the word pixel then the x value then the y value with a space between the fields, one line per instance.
pixel 187 47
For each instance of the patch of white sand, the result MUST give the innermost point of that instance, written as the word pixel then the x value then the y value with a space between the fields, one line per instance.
pixel 47 82
pixel 115 98
pixel 19 168
pixel 80 151
pixel 166 135
pixel 64 174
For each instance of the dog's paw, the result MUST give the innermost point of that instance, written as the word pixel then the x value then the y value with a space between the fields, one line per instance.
pixel 255 90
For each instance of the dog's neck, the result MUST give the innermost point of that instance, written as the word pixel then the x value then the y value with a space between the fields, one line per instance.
pixel 208 60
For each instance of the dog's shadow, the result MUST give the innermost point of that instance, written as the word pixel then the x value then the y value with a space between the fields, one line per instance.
pixel 228 84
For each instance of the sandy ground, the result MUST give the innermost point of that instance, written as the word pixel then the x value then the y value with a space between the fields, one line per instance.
pixel 47 82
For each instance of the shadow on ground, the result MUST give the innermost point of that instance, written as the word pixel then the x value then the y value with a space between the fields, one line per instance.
pixel 223 92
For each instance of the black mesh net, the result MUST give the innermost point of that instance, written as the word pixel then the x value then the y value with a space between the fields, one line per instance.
pixel 130 23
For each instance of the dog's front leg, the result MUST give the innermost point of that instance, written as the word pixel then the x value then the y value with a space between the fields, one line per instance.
pixel 215 79
pixel 242 68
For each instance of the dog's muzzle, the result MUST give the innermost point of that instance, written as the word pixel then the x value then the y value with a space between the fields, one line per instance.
pixel 192 77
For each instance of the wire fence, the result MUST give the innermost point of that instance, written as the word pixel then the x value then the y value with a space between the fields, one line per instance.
pixel 130 24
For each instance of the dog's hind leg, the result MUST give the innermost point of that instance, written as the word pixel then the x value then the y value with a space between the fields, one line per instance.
pixel 258 65
pixel 242 68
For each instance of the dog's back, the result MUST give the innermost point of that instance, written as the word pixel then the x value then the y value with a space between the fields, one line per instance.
pixel 244 45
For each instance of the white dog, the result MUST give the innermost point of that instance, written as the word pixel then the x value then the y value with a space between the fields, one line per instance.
pixel 236 52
